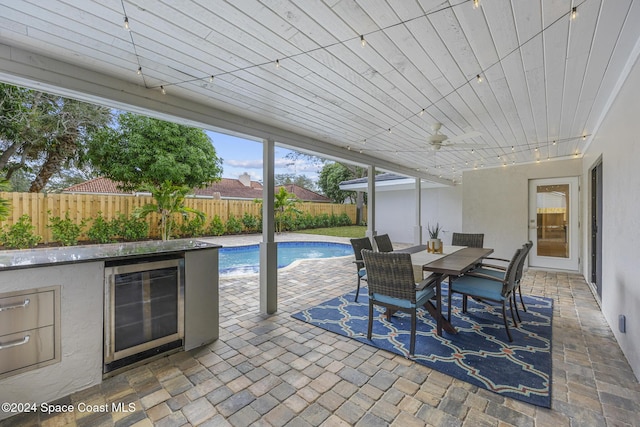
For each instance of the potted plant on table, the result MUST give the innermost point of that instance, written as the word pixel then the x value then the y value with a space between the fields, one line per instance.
pixel 435 244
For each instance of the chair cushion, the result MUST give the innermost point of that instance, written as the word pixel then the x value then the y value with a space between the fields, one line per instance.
pixel 479 287
pixel 362 272
pixel 421 299
pixel 490 272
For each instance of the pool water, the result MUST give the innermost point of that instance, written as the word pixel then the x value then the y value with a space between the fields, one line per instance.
pixel 246 259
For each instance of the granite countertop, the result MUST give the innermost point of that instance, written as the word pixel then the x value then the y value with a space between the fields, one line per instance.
pixel 28 258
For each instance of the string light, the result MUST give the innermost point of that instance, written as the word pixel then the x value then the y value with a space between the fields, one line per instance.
pixel 422 112
pixel 363 42
pixel 126 24
pixel 584 137
pixel 211 79
pixel 554 143
pixel 479 78
pixel 574 13
pixel 277 63
pixel 389 130
pixel 139 71
pixel 476 4
pixel 164 92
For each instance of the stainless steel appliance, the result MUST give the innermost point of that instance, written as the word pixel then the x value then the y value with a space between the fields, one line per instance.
pixel 144 309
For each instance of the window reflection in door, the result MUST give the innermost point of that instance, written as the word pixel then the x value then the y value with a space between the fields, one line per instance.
pixel 552 214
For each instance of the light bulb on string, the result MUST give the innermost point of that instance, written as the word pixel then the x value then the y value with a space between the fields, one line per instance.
pixel 139 72
pixel 277 63
pixel 126 24
pixel 162 90
pixel 211 79
pixel 363 42
pixel 421 112
pixel 476 4
pixel 479 78
pixel 574 13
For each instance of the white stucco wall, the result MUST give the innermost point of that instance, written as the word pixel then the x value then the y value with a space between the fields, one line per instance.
pixel 496 201
pixel 396 212
pixel 617 143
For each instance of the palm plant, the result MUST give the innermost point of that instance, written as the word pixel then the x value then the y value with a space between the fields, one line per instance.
pixel 284 204
pixel 169 202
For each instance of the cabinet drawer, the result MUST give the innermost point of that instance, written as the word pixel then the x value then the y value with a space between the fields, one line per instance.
pixel 26 349
pixel 26 311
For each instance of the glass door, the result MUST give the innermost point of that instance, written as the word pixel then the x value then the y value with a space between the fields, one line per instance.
pixel 553 223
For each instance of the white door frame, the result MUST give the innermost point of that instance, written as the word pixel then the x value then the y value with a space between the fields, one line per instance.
pixel 573 236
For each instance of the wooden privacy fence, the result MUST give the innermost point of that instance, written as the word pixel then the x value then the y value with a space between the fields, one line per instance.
pixel 40 207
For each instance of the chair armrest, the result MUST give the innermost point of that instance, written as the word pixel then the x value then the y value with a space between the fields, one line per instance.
pixel 495 267
pixel 358 262
pixel 483 276
pixel 428 282
pixel 498 259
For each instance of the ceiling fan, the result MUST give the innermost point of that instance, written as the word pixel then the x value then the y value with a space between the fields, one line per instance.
pixel 439 140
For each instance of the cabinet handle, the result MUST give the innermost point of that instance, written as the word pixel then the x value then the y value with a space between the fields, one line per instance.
pixel 23 305
pixel 15 343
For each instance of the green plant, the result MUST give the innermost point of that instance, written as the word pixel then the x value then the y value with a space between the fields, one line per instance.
pixel 250 222
pixel 233 225
pixel 65 231
pixel 434 232
pixel 20 235
pixel 192 227
pixel 5 205
pixel 216 227
pixel 169 202
pixel 132 228
pixel 103 231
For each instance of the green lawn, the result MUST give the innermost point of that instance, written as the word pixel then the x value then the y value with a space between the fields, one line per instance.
pixel 351 231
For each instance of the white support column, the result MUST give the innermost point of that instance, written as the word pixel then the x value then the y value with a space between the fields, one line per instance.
pixel 417 231
pixel 268 246
pixel 371 202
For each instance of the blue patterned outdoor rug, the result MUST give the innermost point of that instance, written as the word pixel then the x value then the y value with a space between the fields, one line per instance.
pixel 480 353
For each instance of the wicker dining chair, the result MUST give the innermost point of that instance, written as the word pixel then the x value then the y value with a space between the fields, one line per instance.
pixel 383 242
pixel 358 245
pixel 499 271
pixel 472 240
pixel 485 287
pixel 392 285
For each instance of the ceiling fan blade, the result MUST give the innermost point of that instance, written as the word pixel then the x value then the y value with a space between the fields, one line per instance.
pixel 467 135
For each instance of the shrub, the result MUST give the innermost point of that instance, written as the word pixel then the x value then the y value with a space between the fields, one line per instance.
pixel 131 228
pixel 103 231
pixel 250 222
pixel 233 225
pixel 192 227
pixel 344 220
pixel 20 235
pixel 216 227
pixel 65 231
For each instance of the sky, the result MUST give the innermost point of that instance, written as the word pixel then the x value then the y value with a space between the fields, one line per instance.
pixel 242 155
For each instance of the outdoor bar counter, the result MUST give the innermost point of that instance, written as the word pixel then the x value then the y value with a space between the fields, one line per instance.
pixel 52 311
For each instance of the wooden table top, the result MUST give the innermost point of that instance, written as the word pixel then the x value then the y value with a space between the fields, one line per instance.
pixel 457 262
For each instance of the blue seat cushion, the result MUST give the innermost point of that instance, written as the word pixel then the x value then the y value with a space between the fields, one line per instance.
pixel 490 272
pixel 362 272
pixel 421 299
pixel 479 287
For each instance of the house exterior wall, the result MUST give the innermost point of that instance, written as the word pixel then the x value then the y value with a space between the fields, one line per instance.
pixel 396 212
pixel 617 144
pixel 496 201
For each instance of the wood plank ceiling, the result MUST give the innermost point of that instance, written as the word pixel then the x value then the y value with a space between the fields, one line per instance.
pixel 546 78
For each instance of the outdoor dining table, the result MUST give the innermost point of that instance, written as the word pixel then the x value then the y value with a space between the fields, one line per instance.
pixel 454 261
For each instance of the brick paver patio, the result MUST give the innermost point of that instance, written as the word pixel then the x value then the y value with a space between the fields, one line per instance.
pixel 276 371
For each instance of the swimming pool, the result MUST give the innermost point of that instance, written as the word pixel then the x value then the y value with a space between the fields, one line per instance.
pixel 246 259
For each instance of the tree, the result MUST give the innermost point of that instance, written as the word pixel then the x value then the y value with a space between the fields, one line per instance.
pixel 42 133
pixel 332 174
pixel 299 180
pixel 167 159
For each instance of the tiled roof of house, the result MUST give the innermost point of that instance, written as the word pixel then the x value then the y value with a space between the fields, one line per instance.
pixel 226 188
